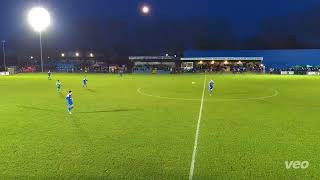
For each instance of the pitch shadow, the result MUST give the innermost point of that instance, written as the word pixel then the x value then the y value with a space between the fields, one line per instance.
pixel 35 108
pixel 108 111
pixel 92 90
pixel 80 112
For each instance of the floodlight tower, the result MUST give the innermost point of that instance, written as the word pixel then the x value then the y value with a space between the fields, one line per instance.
pixel 4 55
pixel 39 19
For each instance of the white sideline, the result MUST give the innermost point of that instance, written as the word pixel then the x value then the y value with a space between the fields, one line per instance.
pixel 197 132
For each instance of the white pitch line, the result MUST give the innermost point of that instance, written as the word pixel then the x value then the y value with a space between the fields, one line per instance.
pixel 163 97
pixel 197 133
pixel 275 93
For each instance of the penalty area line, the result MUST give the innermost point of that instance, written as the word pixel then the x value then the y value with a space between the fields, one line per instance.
pixel 193 161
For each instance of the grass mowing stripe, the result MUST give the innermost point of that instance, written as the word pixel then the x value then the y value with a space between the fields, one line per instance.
pixel 197 132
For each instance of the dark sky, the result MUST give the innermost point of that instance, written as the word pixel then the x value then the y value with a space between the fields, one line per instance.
pixel 243 18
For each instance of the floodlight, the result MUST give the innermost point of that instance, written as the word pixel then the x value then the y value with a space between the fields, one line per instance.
pixel 39 19
pixel 145 9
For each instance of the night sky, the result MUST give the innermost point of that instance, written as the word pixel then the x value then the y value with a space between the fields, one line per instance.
pixel 173 25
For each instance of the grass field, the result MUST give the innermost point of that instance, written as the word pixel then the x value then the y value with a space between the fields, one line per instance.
pixel 144 126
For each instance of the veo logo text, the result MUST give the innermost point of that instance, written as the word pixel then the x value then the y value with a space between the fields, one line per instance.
pixel 296 164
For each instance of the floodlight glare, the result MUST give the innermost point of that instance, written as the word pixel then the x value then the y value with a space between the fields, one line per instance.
pixel 62 54
pixel 91 55
pixel 145 9
pixel 77 54
pixel 39 19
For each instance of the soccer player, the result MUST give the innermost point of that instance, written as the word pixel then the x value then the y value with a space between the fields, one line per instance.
pixel 49 75
pixel 121 72
pixel 211 85
pixel 70 102
pixel 85 82
pixel 59 85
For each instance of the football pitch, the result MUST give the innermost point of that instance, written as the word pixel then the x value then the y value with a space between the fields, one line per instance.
pixel 159 127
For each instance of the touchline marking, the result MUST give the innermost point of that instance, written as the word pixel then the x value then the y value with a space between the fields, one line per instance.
pixel 197 132
pixel 275 93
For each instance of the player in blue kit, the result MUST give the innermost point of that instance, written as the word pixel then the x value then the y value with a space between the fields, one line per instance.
pixel 211 86
pixel 85 82
pixel 70 102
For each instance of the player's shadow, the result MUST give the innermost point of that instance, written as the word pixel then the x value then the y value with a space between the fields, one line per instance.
pixel 35 108
pixel 61 95
pixel 91 90
pixel 82 133
pixel 80 112
pixel 108 111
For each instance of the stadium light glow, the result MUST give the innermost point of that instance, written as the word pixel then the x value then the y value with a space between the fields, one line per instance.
pixel 212 62
pixel 31 57
pixel 225 62
pixel 62 54
pixel 77 54
pixel 200 62
pixel 91 55
pixel 39 19
pixel 145 9
pixel 262 65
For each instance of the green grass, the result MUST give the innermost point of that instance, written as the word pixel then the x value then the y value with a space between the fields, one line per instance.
pixel 116 132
